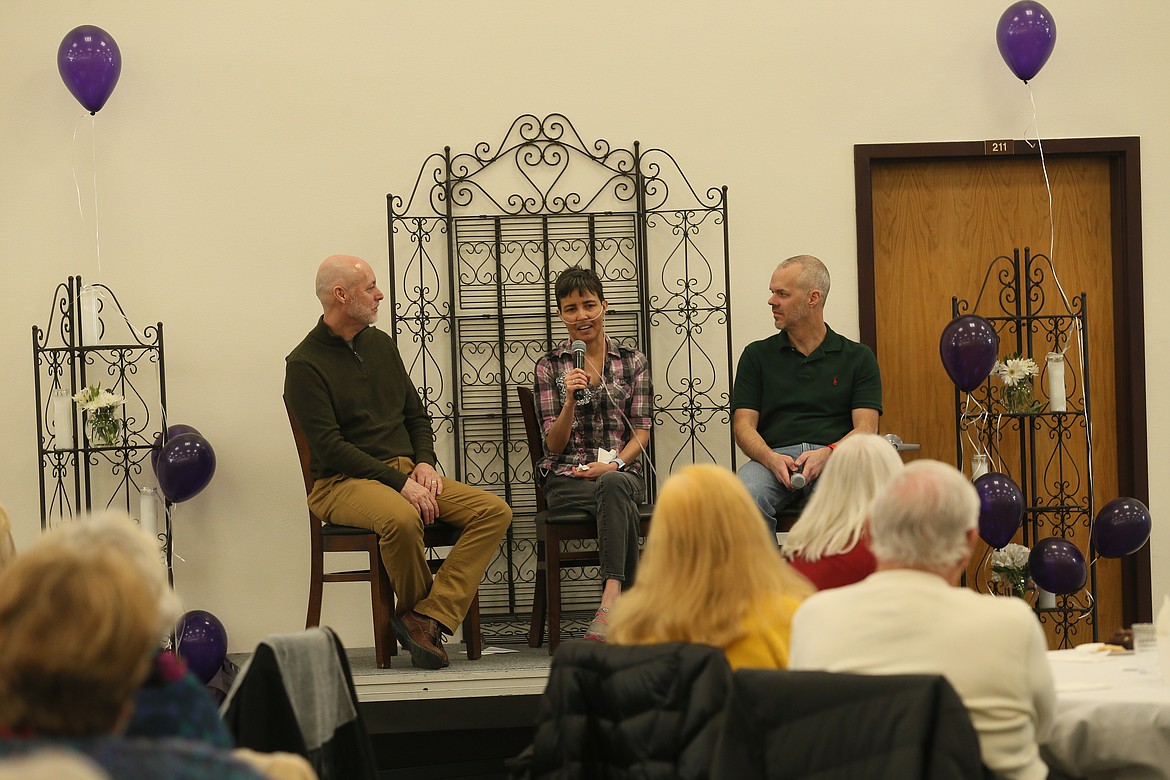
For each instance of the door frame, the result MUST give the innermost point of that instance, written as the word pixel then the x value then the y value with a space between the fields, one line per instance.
pixel 1124 156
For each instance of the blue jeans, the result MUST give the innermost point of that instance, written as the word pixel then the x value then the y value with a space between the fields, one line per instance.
pixel 771 496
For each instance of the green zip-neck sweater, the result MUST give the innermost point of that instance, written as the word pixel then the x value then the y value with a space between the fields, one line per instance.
pixel 357 406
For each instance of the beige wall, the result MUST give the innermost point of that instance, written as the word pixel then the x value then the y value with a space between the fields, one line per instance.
pixel 247 140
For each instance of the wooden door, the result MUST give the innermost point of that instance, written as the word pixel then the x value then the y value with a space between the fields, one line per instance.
pixel 937 226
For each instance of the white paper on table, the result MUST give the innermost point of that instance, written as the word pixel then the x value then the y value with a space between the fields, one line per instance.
pixel 1089 653
pixel 1078 687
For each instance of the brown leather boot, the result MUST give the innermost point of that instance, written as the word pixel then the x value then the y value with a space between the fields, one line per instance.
pixel 422 636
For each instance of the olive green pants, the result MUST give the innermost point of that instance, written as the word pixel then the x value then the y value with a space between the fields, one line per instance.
pixel 365 503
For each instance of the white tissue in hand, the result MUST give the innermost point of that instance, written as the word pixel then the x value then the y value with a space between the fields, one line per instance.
pixel 605 456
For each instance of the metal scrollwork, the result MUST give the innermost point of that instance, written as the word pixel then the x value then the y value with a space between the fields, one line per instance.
pixel 1048 453
pixel 89 340
pixel 474 250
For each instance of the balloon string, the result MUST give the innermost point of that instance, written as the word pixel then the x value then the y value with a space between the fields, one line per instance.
pixel 1075 330
pixel 998 438
pixel 974 421
pixel 77 187
pixel 1048 188
pixel 99 292
pixel 76 183
pixel 97 233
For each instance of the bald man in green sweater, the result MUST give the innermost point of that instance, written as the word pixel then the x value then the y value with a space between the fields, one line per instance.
pixel 373 460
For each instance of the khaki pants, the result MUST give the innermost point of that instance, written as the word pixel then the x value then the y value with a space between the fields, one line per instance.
pixel 367 503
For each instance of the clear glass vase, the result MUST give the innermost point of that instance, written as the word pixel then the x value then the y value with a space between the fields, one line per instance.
pixel 102 428
pixel 1019 398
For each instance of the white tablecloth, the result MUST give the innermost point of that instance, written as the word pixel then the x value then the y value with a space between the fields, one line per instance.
pixel 1112 720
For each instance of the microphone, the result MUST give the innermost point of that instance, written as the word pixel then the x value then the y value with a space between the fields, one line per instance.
pixel 798 481
pixel 578 348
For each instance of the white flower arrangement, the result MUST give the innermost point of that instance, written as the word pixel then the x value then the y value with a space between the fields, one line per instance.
pixel 94 398
pixel 1015 369
pixel 1016 373
pixel 100 405
pixel 1009 565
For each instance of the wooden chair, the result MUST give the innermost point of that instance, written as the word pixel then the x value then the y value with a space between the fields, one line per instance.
pixel 327 538
pixel 553 528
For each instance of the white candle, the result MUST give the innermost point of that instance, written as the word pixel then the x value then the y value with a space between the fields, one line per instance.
pixel 979 465
pixel 90 298
pixel 147 514
pixel 62 420
pixel 1056 399
pixel 1046 600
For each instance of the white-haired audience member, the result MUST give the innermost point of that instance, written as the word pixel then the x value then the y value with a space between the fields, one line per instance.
pixel 829 544
pixel 75 612
pixel 909 617
pixel 172 702
pixel 77 631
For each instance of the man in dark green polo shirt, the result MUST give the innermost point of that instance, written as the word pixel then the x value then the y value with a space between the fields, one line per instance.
pixel 800 392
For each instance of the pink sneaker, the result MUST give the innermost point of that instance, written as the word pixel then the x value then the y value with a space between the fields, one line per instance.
pixel 599 626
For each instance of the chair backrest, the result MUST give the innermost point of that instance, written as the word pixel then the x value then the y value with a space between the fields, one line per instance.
pixel 535 440
pixel 296 694
pixel 315 523
pixel 787 724
pixel 651 710
pixel 302 447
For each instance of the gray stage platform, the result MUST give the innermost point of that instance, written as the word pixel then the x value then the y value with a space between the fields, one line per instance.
pixel 464 721
pixel 521 671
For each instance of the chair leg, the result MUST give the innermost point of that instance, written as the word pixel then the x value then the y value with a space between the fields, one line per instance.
pixel 472 631
pixel 313 616
pixel 552 549
pixel 539 604
pixel 382 600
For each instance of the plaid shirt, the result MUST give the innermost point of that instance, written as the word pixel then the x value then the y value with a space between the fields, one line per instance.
pixel 605 416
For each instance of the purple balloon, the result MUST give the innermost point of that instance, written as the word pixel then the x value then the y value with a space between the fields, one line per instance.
pixel 1122 527
pixel 1026 35
pixel 1057 566
pixel 89 62
pixel 969 347
pixel 202 641
pixel 186 465
pixel 1001 508
pixel 172 432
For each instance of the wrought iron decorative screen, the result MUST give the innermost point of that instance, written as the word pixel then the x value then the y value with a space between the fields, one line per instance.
pixel 1048 453
pixel 89 340
pixel 474 251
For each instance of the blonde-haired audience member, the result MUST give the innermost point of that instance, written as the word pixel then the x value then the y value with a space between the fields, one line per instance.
pixel 829 544
pixel 7 548
pixel 77 631
pixel 711 574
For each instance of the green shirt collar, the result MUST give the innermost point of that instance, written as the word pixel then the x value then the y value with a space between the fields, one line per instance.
pixel 831 343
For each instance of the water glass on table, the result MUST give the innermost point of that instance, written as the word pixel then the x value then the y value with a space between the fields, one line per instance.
pixel 1145 648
